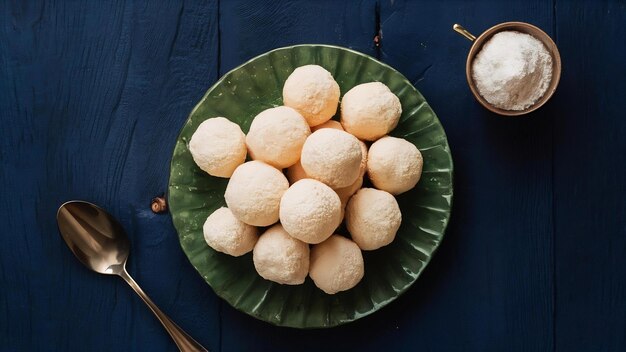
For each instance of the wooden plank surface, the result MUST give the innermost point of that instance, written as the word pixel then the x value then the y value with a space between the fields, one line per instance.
pixel 590 177
pixel 92 95
pixel 250 28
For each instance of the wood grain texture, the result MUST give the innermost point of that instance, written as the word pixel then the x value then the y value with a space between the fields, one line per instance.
pixel 93 95
pixel 250 28
pixel 590 177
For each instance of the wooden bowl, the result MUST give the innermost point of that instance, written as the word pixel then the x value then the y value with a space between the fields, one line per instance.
pixel 518 27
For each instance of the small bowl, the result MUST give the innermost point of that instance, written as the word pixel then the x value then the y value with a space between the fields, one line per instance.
pixel 521 27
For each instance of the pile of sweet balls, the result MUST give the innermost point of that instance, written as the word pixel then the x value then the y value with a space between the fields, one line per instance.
pixel 306 176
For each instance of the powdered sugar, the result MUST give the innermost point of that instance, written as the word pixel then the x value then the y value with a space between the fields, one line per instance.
pixel 512 70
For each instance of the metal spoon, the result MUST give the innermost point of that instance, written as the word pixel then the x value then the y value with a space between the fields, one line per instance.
pixel 100 243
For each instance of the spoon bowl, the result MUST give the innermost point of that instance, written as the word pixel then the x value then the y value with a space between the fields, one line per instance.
pixel 98 240
pixel 95 237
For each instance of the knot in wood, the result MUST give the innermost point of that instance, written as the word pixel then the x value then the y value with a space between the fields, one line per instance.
pixel 158 205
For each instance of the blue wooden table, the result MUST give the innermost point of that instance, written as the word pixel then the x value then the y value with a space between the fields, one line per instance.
pixel 93 94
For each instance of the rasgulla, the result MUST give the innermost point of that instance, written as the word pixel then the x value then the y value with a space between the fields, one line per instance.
pixel 346 192
pixel 218 146
pixel 276 136
pixel 370 111
pixel 313 92
pixel 372 218
pixel 394 165
pixel 364 152
pixel 296 173
pixel 281 258
pixel 328 124
pixel 225 233
pixel 336 264
pixel 310 211
pixel 332 156
pixel 254 191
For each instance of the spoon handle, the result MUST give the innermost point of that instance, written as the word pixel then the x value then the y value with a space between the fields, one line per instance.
pixel 464 32
pixel 184 342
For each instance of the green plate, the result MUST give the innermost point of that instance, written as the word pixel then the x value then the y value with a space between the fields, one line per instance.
pixel 193 195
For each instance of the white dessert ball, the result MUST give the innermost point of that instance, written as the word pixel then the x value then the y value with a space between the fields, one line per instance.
pixel 276 136
pixel 328 124
pixel 225 233
pixel 281 258
pixel 373 217
pixel 310 211
pixel 313 92
pixel 218 146
pixel 254 191
pixel 332 156
pixel 346 192
pixel 363 165
pixel 336 264
pixel 370 111
pixel 394 165
pixel 296 173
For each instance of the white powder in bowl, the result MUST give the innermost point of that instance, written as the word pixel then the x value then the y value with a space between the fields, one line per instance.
pixel 512 70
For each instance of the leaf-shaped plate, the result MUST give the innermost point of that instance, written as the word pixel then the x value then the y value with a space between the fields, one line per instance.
pixel 257 85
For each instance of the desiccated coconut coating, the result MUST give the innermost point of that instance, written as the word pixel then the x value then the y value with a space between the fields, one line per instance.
pixel 336 264
pixel 310 211
pixel 296 173
pixel 373 217
pixel 394 165
pixel 364 152
pixel 276 136
pixel 328 124
pixel 218 146
pixel 313 92
pixel 225 233
pixel 254 191
pixel 281 258
pixel 346 192
pixel 332 156
pixel 370 111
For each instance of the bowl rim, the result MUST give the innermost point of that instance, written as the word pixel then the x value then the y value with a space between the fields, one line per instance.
pixel 514 26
